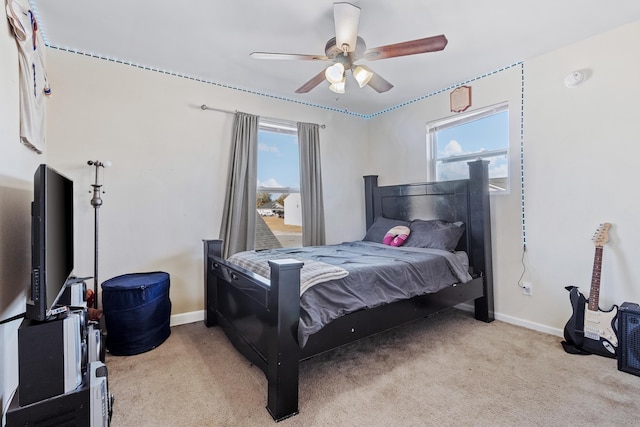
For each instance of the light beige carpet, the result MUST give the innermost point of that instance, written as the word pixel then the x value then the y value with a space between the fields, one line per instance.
pixel 446 370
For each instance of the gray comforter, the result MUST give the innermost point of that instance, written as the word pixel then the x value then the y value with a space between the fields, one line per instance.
pixel 378 274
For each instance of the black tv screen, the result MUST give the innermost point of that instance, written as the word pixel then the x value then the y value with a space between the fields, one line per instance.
pixel 51 240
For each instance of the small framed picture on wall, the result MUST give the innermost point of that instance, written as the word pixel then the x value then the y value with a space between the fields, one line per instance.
pixel 460 99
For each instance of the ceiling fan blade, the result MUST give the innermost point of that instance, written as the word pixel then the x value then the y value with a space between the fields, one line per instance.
pixel 429 44
pixel 287 56
pixel 346 18
pixel 315 81
pixel 379 84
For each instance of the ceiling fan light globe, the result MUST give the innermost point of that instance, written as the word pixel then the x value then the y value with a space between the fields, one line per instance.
pixel 338 87
pixel 362 76
pixel 335 73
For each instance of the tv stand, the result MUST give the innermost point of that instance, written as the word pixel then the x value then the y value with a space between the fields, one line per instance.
pixel 62 375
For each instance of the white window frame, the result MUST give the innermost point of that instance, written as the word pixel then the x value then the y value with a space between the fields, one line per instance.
pixel 277 126
pixel 457 120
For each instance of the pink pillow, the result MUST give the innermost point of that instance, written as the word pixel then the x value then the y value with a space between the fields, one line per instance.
pixel 396 236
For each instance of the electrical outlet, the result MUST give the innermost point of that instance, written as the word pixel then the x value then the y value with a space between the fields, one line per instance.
pixel 527 288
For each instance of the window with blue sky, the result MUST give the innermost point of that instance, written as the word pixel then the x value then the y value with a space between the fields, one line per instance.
pixel 455 141
pixel 278 161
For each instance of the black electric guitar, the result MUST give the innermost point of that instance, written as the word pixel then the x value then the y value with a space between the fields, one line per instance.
pixel 591 330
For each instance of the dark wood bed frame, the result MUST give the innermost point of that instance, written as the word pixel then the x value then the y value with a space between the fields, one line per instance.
pixel 260 317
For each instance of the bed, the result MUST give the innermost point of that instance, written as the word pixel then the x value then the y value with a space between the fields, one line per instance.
pixel 264 318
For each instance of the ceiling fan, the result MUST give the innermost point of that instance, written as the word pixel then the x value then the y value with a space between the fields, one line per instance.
pixel 346 48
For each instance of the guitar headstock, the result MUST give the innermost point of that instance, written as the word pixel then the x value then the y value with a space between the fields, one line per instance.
pixel 601 235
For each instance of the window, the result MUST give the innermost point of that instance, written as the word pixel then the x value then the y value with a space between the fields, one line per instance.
pixel 453 142
pixel 279 219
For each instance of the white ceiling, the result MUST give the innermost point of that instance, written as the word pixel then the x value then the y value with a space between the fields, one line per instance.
pixel 212 40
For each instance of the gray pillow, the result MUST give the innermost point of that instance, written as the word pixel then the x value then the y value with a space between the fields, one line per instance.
pixel 435 234
pixel 379 228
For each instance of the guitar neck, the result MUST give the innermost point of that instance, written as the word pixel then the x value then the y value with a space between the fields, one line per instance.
pixel 594 293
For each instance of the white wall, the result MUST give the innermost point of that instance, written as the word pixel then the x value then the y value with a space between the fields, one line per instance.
pixel 17 165
pixel 165 190
pixel 580 163
pixel 580 145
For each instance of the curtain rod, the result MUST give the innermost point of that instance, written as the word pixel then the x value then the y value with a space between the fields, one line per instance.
pixel 204 107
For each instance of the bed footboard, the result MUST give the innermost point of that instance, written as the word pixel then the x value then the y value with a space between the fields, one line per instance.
pixel 261 319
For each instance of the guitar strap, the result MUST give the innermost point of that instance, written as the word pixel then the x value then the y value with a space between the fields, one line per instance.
pixel 576 347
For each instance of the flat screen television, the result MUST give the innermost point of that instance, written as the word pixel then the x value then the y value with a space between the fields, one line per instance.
pixel 51 241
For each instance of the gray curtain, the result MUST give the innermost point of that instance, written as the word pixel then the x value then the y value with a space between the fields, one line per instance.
pixel 239 215
pixel 311 185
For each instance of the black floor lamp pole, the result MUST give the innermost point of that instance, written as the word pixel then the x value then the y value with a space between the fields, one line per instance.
pixel 96 202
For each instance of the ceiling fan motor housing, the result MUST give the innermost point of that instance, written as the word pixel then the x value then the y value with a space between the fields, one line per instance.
pixel 335 52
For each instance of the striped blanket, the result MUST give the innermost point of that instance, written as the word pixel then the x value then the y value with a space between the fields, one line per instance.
pixel 312 273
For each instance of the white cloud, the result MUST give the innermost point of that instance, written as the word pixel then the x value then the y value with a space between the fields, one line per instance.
pixel 453 148
pixel 265 147
pixel 498 170
pixel 456 170
pixel 270 183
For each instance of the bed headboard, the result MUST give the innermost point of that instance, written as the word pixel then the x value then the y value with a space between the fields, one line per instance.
pixel 462 200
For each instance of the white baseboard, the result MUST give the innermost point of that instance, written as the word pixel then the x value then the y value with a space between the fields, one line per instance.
pixel 529 325
pixel 198 316
pixel 183 318
pixel 518 322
